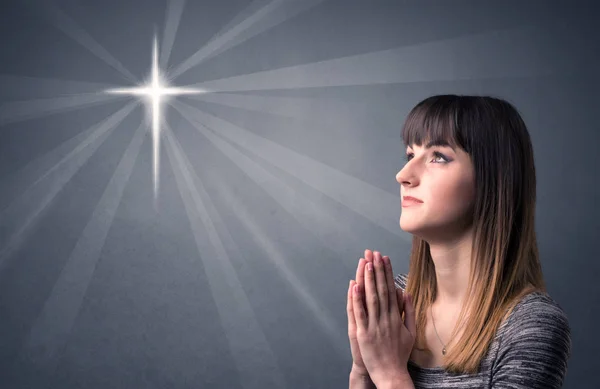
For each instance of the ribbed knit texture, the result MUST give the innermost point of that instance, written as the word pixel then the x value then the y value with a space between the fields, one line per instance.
pixel 530 350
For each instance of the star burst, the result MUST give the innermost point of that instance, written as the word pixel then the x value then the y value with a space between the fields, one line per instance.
pixel 155 92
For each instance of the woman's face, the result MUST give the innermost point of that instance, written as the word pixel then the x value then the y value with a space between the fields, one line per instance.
pixel 443 179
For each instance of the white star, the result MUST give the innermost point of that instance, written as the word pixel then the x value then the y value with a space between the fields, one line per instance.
pixel 155 90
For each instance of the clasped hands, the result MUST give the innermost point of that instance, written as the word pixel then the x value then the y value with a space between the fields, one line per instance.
pixel 380 340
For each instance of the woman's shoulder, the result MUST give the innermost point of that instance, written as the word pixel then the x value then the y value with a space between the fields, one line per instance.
pixel 535 344
pixel 536 313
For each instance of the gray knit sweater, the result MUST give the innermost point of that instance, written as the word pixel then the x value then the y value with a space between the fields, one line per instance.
pixel 530 350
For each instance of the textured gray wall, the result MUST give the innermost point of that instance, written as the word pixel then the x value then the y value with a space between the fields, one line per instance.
pixel 236 275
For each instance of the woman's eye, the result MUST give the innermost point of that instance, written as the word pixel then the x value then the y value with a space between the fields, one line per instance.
pixel 439 155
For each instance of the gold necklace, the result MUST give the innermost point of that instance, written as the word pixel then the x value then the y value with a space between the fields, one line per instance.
pixel 438 335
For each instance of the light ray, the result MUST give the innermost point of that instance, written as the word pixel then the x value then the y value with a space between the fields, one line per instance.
pixel 156 91
pixel 333 234
pixel 16 111
pixel 19 181
pixel 68 26
pixel 494 54
pixel 371 202
pixel 53 325
pixel 254 7
pixel 268 16
pixel 249 347
pixel 25 87
pixel 302 108
pixel 17 218
pixel 171 25
pixel 214 44
pixel 156 96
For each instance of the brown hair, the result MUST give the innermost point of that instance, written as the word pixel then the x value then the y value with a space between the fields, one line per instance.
pixel 505 261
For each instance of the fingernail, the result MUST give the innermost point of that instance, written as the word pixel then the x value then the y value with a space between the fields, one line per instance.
pixel 356 288
pixel 369 266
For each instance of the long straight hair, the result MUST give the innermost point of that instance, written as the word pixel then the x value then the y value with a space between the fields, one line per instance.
pixel 505 262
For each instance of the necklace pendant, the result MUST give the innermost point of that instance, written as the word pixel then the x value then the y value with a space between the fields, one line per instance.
pixel 444 351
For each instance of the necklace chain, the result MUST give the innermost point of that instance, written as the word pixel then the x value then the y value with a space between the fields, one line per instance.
pixel 438 335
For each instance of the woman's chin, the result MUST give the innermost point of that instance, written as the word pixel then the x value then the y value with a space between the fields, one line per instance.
pixel 416 228
pixel 408 226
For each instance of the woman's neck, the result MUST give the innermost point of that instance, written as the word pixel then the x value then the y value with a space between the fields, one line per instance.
pixel 452 260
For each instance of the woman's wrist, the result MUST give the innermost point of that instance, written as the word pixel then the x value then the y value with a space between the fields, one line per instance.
pixel 358 374
pixel 360 379
pixel 402 380
pixel 359 371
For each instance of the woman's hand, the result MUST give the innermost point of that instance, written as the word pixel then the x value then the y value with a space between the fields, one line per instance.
pixel 385 340
pixel 358 367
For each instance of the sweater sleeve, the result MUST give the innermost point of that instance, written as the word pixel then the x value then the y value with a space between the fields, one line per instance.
pixel 534 349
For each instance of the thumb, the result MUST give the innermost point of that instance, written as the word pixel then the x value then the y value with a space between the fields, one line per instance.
pixel 409 318
pixel 400 300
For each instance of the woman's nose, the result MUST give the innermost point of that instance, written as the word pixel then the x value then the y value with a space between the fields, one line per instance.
pixel 406 176
pixel 399 177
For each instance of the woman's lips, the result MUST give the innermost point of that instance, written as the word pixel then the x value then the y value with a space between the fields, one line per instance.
pixel 408 201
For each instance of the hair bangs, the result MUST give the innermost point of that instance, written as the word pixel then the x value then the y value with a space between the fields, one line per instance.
pixel 433 120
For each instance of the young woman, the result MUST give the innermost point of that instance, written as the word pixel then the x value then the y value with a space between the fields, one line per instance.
pixel 473 311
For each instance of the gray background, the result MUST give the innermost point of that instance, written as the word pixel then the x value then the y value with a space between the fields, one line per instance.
pixel 236 276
